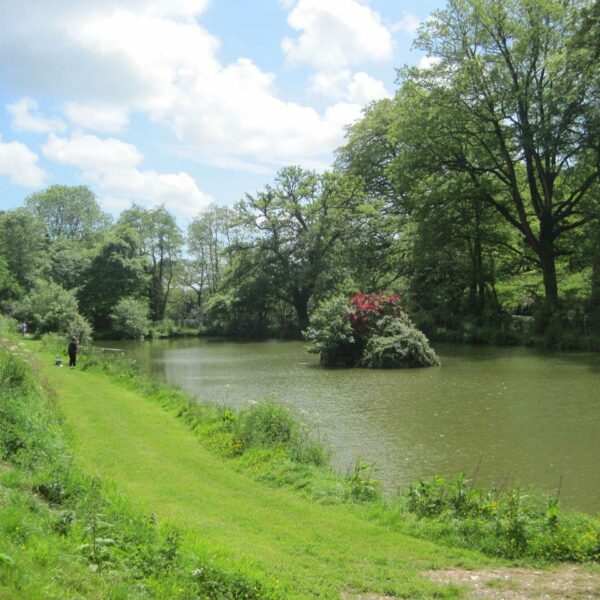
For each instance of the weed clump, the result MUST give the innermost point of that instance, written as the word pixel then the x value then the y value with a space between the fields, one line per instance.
pixel 508 523
pixel 267 424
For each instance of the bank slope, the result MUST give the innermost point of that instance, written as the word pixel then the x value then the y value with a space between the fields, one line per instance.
pixel 303 549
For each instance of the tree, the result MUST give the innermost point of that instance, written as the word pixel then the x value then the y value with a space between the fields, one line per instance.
pixel 130 318
pixel 9 288
pixel 208 237
pixel 68 261
pixel 51 308
pixel 370 149
pixel 115 272
pixel 300 222
pixel 68 212
pixel 428 225
pixel 160 240
pixel 511 107
pixel 243 305
pixel 23 245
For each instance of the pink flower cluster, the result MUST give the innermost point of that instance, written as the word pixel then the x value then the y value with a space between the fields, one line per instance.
pixel 366 309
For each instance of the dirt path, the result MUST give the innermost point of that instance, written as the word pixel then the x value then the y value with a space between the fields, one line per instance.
pixel 563 583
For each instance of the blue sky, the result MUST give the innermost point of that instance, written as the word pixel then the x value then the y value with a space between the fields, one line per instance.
pixel 187 102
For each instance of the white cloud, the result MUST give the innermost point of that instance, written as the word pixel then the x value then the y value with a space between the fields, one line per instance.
pixel 426 62
pixel 357 88
pixel 119 57
pixel 408 24
pixel 113 165
pixel 19 164
pixel 23 119
pixel 99 117
pixel 336 34
pixel 363 89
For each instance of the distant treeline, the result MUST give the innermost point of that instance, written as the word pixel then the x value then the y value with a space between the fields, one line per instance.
pixel 473 192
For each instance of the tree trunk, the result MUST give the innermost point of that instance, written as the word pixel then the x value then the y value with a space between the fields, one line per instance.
pixel 480 277
pixel 595 289
pixel 548 260
pixel 301 305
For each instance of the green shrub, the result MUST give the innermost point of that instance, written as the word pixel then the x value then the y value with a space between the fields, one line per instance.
pixel 331 334
pixel 398 343
pixel 506 523
pixel 369 330
pixel 130 318
pixel 360 485
pixel 267 424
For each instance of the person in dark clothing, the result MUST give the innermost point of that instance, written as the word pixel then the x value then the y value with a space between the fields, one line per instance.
pixel 72 350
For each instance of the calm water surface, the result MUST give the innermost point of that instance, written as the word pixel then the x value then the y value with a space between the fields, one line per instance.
pixel 502 414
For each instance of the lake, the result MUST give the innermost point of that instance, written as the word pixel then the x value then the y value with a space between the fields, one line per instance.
pixel 498 414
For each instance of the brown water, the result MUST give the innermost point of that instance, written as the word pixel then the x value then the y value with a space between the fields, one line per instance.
pixel 498 414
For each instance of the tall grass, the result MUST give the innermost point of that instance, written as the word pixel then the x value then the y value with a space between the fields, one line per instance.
pixel 508 523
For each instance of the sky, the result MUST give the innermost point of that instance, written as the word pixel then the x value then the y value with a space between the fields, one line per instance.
pixel 188 102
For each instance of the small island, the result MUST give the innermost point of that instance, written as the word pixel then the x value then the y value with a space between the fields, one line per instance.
pixel 368 330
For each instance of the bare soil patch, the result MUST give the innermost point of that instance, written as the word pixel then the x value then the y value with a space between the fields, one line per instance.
pixel 567 583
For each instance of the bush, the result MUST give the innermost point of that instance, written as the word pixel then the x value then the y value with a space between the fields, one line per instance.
pixel 369 330
pixel 51 308
pixel 267 424
pixel 398 343
pixel 130 318
pixel 331 334
pixel 360 485
pixel 507 523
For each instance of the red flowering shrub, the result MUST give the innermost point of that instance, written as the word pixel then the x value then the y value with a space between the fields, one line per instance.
pixel 369 330
pixel 367 309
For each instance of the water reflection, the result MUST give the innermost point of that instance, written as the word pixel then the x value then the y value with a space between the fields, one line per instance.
pixel 504 413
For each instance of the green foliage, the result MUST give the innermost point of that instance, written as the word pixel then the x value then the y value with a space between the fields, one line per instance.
pixel 23 245
pixel 330 332
pixel 130 318
pixel 210 237
pixel 270 425
pixel 241 308
pixel 116 271
pixel 370 330
pixel 68 212
pixel 300 223
pixel 398 343
pixel 159 240
pixel 68 262
pixel 360 485
pixel 506 523
pixel 9 288
pixel 51 308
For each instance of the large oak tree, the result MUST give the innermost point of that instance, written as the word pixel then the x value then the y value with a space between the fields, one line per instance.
pixel 512 103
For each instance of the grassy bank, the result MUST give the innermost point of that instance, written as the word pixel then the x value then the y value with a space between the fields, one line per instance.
pixel 67 534
pixel 236 536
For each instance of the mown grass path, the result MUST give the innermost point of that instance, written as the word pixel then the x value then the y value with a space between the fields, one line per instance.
pixel 304 549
